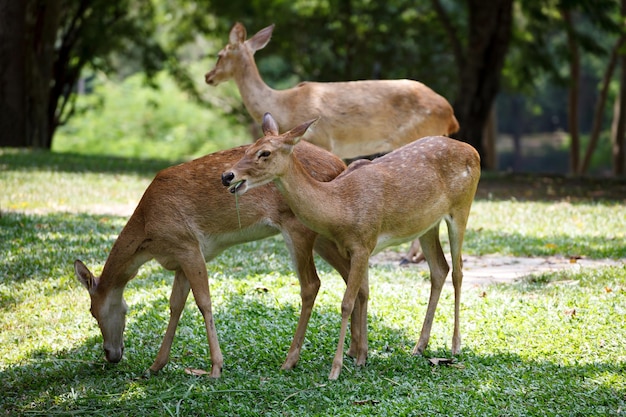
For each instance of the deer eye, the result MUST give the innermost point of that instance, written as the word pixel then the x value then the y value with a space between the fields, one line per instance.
pixel 264 154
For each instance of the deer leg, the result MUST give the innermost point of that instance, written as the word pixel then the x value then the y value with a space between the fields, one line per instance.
pixel 358 327
pixel 439 268
pixel 456 233
pixel 180 292
pixel 195 271
pixel 358 277
pixel 414 255
pixel 361 312
pixel 301 248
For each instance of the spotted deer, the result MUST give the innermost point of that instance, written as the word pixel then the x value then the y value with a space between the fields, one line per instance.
pixel 396 198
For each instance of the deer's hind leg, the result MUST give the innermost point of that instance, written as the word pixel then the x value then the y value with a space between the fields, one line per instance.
pixel 456 232
pixel 194 268
pixel 178 298
pixel 431 246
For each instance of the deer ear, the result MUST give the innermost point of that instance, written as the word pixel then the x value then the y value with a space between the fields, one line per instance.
pixel 270 127
pixel 297 132
pixel 260 39
pixel 84 275
pixel 237 34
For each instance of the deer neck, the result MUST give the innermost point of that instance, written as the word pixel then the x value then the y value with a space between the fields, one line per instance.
pixel 257 96
pixel 314 202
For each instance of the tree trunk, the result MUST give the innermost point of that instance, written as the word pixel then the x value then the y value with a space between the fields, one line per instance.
pixel 480 65
pixel 573 94
pixel 517 107
pixel 28 30
pixel 601 104
pixel 43 22
pixel 489 140
pixel 12 79
pixel 618 129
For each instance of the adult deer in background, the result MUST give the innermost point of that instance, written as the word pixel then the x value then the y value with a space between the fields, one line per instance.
pixel 356 118
pixel 180 223
pixel 374 204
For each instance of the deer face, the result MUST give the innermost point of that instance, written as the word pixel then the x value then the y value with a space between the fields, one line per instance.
pixel 225 67
pixel 265 160
pixel 237 54
pixel 261 164
pixel 109 310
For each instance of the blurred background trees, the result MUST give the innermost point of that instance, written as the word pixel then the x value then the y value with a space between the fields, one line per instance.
pixel 515 70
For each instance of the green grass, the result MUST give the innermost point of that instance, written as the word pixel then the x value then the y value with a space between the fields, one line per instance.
pixel 551 345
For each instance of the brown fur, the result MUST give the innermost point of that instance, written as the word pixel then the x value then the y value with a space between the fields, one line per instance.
pixel 356 117
pixel 399 197
pixel 180 222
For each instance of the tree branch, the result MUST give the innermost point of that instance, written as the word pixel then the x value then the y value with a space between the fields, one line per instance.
pixel 455 42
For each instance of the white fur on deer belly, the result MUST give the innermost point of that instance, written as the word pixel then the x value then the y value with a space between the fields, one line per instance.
pixel 212 245
pixel 386 240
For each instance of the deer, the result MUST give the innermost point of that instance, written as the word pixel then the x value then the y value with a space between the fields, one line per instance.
pixel 179 222
pixel 398 197
pixel 357 118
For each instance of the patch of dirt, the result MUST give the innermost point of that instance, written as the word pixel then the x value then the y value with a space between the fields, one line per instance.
pixel 494 269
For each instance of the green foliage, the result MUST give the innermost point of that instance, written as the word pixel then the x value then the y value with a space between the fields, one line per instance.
pixel 549 345
pixel 132 119
pixel 350 40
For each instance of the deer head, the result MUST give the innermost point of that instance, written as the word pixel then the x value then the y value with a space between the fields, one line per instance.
pixel 264 160
pixel 238 51
pixel 109 309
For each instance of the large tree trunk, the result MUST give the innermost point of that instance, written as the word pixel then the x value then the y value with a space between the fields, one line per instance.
pixel 43 21
pixel 28 32
pixel 12 78
pixel 479 64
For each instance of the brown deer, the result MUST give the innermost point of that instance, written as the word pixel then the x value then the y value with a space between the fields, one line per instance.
pixel 357 118
pixel 179 222
pixel 374 204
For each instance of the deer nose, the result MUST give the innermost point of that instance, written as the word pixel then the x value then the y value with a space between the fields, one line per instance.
pixel 113 355
pixel 227 177
pixel 208 77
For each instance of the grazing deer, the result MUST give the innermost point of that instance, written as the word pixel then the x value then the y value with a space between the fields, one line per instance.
pixel 180 222
pixel 373 204
pixel 357 118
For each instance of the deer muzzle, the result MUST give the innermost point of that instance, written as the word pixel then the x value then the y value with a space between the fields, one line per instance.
pixel 227 181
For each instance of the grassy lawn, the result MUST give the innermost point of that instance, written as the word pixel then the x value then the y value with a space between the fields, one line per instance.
pixel 550 345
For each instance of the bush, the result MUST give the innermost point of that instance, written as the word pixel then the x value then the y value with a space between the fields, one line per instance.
pixel 132 119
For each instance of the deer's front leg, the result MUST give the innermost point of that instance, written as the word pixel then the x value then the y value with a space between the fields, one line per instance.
pixel 180 292
pixel 329 252
pixel 357 278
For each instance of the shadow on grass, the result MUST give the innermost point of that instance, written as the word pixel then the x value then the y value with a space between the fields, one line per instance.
pixel 537 187
pixel 45 246
pixel 27 160
pixel 254 337
pixel 517 244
